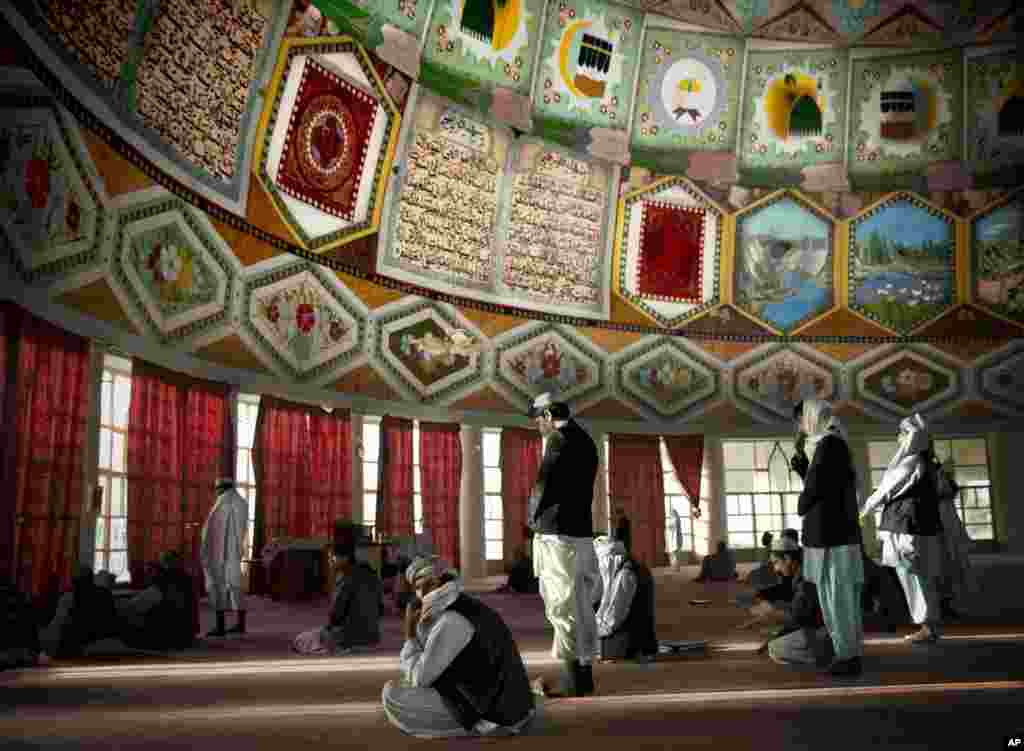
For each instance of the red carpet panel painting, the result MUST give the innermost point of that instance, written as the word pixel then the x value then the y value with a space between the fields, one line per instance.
pixel 327 139
pixel 670 262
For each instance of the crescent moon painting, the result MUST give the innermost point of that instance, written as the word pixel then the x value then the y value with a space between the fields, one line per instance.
pixel 588 63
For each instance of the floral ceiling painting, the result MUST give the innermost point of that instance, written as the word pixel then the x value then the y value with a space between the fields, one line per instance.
pixel 794 112
pixel 906 381
pixel 431 352
pixel 50 204
pixel 784 273
pixel 902 263
pixel 541 357
pixel 174 275
pixel 995 129
pixel 784 378
pixel 328 143
pixel 1002 378
pixel 663 378
pixel 588 62
pixel 687 96
pixel 301 321
pixel 907 112
pixel 997 249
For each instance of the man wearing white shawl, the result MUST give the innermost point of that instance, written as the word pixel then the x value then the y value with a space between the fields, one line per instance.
pixel 220 551
pixel 831 534
pixel 910 526
pixel 462 674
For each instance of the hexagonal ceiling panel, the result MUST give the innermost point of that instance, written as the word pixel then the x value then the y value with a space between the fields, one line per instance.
pixel 904 381
pixel 51 206
pixel 902 268
pixel 784 378
pixel 172 272
pixel 667 249
pixel 542 357
pixel 784 273
pixel 301 321
pixel 997 253
pixel 431 351
pixel 663 378
pixel 1003 378
pixel 327 142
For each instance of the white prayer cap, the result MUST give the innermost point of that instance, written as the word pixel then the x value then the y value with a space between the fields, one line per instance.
pixel 543 402
pixel 426 566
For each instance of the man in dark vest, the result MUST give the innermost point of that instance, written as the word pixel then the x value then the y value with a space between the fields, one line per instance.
pixel 625 620
pixel 462 674
pixel 563 545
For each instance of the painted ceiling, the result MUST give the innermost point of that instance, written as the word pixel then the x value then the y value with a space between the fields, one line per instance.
pixel 375 238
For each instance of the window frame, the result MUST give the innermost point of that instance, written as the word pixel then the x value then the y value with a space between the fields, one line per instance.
pixel 485 494
pixel 669 475
pixel 116 367
pixel 787 499
pixel 247 402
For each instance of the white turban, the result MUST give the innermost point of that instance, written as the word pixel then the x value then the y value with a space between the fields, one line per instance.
pixel 426 566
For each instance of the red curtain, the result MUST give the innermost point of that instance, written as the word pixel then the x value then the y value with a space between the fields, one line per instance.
pixel 395 477
pixel 440 481
pixel 9 316
pixel 52 395
pixel 331 468
pixel 521 454
pixel 687 455
pixel 281 458
pixel 636 484
pixel 176 449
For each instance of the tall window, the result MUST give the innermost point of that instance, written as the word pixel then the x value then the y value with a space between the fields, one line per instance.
pixel 371 452
pixel 607 484
pixel 678 502
pixel 245 475
pixel 493 517
pixel 970 469
pixel 112 524
pixel 761 492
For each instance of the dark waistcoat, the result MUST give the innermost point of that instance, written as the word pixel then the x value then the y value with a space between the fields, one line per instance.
pixel 636 635
pixel 487 679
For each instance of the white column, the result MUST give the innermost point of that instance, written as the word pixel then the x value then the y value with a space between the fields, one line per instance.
pixel 87 517
pixel 715 513
pixel 471 499
pixel 600 506
pixel 357 467
pixel 862 463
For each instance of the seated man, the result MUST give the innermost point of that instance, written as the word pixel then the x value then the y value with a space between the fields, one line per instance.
pixel 162 616
pixel 19 637
pixel 84 615
pixel 718 567
pixel 462 674
pixel 802 639
pixel 354 619
pixel 763 576
pixel 625 620
pixel 520 575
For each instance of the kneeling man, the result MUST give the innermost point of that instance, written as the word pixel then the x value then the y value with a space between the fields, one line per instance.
pixel 803 638
pixel 625 620
pixel 462 674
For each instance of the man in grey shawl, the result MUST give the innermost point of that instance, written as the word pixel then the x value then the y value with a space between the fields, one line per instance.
pixel 910 526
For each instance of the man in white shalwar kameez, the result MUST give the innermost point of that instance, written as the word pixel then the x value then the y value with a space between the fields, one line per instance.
pixel 221 551
pixel 462 674
pixel 564 561
pixel 911 544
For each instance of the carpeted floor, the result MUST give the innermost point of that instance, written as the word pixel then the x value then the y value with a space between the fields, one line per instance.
pixel 253 693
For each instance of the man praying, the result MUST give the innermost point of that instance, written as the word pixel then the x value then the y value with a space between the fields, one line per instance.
pixel 625 620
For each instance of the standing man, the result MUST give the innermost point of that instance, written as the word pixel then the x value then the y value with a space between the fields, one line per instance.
pixel 563 547
pixel 221 552
pixel 832 560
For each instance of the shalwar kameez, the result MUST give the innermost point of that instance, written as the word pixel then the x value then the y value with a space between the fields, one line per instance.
pixel 221 550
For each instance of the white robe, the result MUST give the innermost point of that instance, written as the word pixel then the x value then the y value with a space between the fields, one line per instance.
pixel 570 585
pixel 619 590
pixel 221 550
